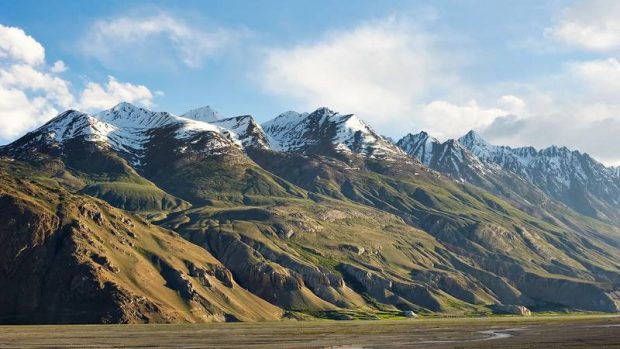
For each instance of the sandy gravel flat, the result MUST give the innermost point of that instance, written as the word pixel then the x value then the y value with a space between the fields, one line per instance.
pixel 509 332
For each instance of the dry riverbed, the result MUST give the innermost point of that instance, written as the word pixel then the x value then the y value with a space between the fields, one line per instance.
pixel 506 332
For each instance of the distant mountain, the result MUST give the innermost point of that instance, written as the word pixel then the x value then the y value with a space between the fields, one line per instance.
pixel 572 177
pixel 124 128
pixel 246 131
pixel 449 157
pixel 165 148
pixel 206 114
pixel 327 132
pixel 131 215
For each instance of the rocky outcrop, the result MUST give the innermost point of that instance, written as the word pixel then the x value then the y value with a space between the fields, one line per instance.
pixel 549 290
pixel 458 287
pixel 175 279
pixel 203 273
pixel 511 309
pixel 253 271
pixel 324 283
pixel 353 248
pixel 401 294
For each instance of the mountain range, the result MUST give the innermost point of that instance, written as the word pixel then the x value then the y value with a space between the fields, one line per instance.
pixel 131 216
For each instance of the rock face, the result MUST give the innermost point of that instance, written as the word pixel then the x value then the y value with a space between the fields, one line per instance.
pixel 246 131
pixel 511 309
pixel 449 157
pixel 410 314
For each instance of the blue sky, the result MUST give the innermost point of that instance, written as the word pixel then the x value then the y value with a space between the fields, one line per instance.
pixel 520 72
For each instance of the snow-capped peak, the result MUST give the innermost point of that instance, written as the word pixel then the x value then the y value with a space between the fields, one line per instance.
pixel 128 129
pixel 449 157
pixel 420 145
pixel 422 136
pixel 325 129
pixel 245 130
pixel 127 115
pixel 476 144
pixel 554 169
pixel 206 114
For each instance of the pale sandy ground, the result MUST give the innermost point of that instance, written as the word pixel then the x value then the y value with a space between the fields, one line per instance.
pixel 509 332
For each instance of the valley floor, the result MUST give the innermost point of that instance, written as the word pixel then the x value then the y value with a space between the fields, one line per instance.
pixel 590 331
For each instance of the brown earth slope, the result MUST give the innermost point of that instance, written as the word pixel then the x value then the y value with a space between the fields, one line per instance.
pixel 68 258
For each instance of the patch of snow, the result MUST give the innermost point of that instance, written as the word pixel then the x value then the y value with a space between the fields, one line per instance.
pixel 206 114
pixel 293 131
pixel 125 128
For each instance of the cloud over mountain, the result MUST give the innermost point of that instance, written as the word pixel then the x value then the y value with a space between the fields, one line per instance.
pixel 31 91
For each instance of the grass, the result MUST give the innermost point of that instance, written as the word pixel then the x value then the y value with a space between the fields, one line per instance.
pixel 141 197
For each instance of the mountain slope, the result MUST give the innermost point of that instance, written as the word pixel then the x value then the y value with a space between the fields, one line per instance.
pixel 317 216
pixel 70 258
pixel 486 232
pixel 449 157
pixel 245 130
pixel 327 132
pixel 192 161
pixel 571 177
pixel 457 162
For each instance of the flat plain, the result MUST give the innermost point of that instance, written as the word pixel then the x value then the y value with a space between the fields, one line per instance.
pixel 589 331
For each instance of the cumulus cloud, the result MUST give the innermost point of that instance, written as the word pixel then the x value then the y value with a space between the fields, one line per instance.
pixel 16 45
pixel 598 78
pixel 593 25
pixel 512 104
pixel 58 67
pixel 154 38
pixel 29 79
pixel 380 70
pixel 580 109
pixel 18 112
pixel 578 106
pixel 31 92
pixel 96 96
pixel 446 120
pixel 597 136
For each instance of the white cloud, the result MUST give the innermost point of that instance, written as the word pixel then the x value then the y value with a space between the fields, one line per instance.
pixel 58 67
pixel 144 39
pixel 19 113
pixel 512 104
pixel 446 120
pixel 593 25
pixel 96 96
pixel 599 78
pixel 28 78
pixel 32 92
pixel 16 45
pixel 578 108
pixel 379 70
